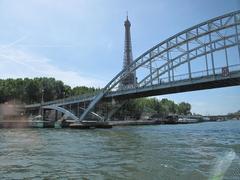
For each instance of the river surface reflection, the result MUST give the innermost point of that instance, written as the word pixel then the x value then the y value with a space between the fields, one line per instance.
pixel 193 151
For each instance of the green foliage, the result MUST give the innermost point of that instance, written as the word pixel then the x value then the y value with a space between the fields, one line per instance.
pixel 31 90
pixel 152 107
pixel 235 114
pixel 184 108
pixel 79 90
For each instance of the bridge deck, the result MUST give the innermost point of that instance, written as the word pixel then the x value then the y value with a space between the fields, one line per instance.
pixel 199 83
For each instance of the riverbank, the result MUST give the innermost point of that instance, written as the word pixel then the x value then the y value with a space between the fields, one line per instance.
pixel 48 124
pixel 152 122
pixel 139 122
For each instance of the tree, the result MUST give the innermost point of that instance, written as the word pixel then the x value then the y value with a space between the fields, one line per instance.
pixel 184 108
pixel 30 91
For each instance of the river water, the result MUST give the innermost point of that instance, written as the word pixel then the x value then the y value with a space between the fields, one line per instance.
pixel 193 151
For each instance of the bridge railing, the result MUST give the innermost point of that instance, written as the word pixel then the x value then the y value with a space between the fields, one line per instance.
pixel 83 97
pixel 184 77
pixel 72 99
pixel 192 35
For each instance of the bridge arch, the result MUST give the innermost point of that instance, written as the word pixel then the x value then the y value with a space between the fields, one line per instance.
pixel 200 41
pixel 70 114
pixel 62 110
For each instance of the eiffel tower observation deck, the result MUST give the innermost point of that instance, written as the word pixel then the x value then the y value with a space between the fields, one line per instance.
pixel 130 79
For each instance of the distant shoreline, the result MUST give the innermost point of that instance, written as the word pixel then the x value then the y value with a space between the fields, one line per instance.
pixel 27 123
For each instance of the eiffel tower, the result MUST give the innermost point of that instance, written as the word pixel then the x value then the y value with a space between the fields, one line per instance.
pixel 129 80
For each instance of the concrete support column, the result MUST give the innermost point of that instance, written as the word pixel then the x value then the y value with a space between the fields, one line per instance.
pixel 56 115
pixel 78 113
pixel 43 114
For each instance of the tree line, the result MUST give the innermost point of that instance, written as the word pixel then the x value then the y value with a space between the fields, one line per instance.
pixel 33 90
pixel 234 114
pixel 152 107
pixel 30 91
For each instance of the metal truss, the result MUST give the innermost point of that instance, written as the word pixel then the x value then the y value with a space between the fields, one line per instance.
pixel 70 114
pixel 62 110
pixel 201 40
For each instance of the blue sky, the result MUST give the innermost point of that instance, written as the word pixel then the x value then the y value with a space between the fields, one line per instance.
pixel 81 41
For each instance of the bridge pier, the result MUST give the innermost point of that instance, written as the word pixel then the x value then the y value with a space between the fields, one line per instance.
pixel 56 115
pixel 78 110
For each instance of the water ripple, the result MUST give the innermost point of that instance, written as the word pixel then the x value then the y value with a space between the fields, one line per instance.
pixel 144 152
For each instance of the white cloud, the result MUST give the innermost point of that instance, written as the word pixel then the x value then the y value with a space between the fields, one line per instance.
pixel 16 63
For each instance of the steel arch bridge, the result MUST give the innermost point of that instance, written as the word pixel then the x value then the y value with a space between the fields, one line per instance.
pixel 204 56
pixel 68 113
